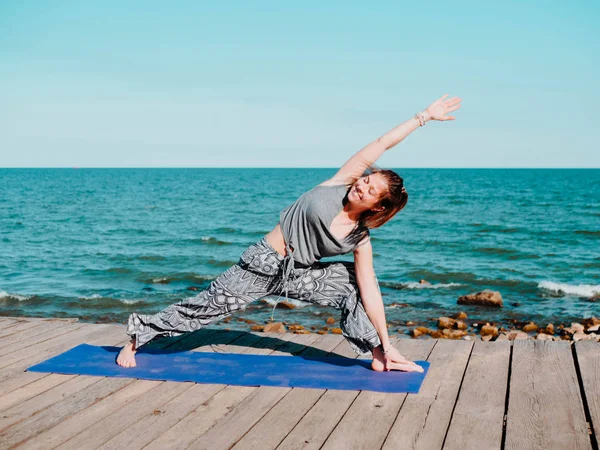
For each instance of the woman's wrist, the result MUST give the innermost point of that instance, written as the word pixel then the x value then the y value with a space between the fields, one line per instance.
pixel 422 117
pixel 385 347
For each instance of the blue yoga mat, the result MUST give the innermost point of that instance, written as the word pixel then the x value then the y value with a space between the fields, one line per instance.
pixel 236 369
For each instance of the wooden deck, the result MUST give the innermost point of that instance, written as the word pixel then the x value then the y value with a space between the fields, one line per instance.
pixel 523 394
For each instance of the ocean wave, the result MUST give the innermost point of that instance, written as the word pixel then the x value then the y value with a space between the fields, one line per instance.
pixel 468 279
pixel 580 290
pixel 417 285
pixel 121 257
pixel 152 277
pixel 510 253
pixel 21 298
pixel 209 240
pixel 178 277
pixel 491 228
pixel 99 302
pixel 239 232
pixel 587 232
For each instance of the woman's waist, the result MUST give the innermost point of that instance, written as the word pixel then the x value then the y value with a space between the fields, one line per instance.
pixel 276 240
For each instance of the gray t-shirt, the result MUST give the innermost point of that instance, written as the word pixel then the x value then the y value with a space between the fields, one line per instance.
pixel 305 224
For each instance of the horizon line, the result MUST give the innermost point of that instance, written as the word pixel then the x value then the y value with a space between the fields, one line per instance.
pixel 302 167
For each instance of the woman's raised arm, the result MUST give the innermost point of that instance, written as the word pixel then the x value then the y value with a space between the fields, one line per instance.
pixel 354 168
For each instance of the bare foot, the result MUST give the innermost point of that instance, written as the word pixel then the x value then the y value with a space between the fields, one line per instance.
pixel 378 363
pixel 126 356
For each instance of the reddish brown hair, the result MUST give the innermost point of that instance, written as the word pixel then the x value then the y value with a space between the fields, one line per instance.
pixel 392 201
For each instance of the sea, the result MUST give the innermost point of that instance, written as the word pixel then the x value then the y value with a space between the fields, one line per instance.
pixel 99 244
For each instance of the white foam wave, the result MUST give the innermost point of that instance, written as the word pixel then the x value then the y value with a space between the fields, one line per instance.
pixel 122 300
pixel 130 302
pixel 416 285
pixel 580 290
pixel 90 297
pixel 159 280
pixel 21 298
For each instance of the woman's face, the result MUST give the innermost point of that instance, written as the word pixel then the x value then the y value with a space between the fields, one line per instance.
pixel 367 190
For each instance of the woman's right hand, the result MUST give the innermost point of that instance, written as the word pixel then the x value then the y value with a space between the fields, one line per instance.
pixel 442 106
pixel 402 363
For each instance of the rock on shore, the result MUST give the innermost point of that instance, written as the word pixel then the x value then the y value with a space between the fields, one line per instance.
pixel 483 298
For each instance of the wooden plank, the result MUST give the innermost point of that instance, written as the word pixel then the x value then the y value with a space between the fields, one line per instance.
pixel 114 419
pixel 105 429
pixel 317 424
pixel 423 418
pixel 234 425
pixel 80 421
pixel 479 413
pixel 156 422
pixel 274 426
pixel 92 334
pixel 6 320
pixel 27 338
pixel 17 327
pixel 367 421
pixel 18 380
pixel 31 390
pixel 52 346
pixel 545 409
pixel 43 319
pixel 61 409
pixel 51 341
pixel 588 360
pixel 230 400
pixel 29 384
pixel 19 412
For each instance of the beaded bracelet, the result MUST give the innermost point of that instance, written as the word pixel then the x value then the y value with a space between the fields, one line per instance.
pixel 420 118
pixel 384 351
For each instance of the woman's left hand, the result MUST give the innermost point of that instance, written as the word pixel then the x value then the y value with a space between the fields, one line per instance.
pixel 442 106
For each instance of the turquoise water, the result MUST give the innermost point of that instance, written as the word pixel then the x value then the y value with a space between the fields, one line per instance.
pixel 99 244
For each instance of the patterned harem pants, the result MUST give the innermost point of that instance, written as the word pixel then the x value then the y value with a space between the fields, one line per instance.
pixel 258 274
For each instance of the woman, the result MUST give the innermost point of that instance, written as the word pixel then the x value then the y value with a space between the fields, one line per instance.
pixel 332 218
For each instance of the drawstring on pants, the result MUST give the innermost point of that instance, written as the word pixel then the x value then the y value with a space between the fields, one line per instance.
pixel 288 270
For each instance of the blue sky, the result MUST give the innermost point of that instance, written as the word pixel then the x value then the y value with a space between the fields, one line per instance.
pixel 296 84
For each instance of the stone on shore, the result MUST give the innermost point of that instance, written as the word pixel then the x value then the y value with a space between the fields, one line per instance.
pixel 488 330
pixel 483 298
pixel 531 326
pixel 285 305
pixel 448 322
pixel 445 322
pixel 454 334
pixel 581 336
pixel 275 327
pixel 461 315
pixel 416 332
pixel 517 334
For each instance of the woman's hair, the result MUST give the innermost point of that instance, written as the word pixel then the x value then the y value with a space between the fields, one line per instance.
pixel 392 201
